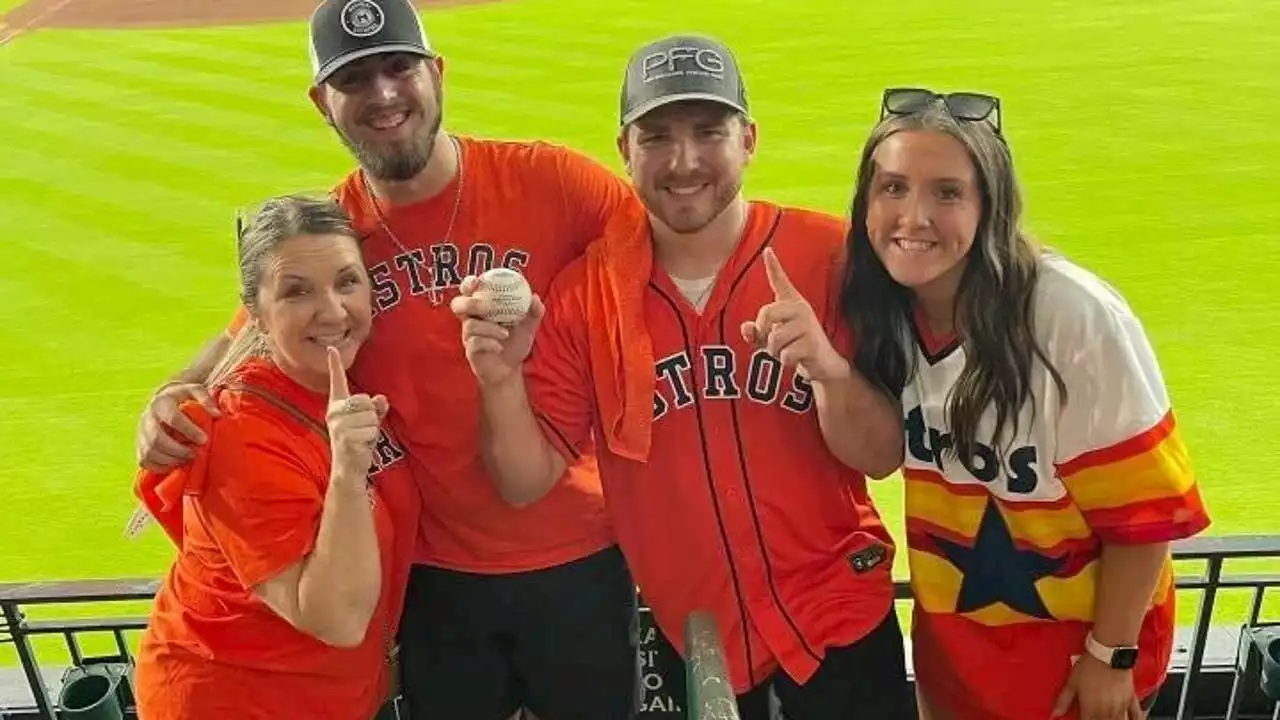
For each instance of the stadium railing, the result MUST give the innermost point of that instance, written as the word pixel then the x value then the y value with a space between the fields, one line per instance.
pixel 1216 671
pixel 710 696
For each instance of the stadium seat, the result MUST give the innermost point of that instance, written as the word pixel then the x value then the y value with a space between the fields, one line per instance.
pixel 95 691
pixel 1267 641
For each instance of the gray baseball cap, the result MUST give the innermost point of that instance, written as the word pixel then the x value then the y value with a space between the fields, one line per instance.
pixel 681 67
pixel 343 31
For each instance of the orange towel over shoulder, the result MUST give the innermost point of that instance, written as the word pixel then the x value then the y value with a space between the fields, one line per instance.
pixel 618 268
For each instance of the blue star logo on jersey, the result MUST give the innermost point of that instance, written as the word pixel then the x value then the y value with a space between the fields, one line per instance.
pixel 996 571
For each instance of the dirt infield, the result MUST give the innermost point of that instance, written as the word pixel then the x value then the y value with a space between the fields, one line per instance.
pixel 37 14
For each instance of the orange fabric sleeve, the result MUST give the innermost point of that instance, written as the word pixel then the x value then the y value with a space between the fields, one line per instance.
pixel 557 376
pixel 237 321
pixel 1141 490
pixel 261 501
pixel 592 193
pixel 162 494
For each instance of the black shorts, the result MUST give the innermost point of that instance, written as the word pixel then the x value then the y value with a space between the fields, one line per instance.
pixel 558 642
pixel 865 680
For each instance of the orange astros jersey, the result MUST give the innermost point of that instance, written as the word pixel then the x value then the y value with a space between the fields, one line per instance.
pixel 1003 549
pixel 740 508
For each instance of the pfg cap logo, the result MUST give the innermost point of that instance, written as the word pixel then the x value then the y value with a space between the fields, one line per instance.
pixel 362 18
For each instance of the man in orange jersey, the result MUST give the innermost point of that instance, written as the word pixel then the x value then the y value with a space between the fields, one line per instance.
pixel 506 608
pixel 708 376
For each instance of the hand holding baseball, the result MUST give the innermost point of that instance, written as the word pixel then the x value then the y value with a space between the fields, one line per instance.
pixel 354 422
pixel 788 329
pixel 495 349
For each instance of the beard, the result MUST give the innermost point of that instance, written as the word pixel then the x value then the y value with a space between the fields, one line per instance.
pixel 399 162
pixel 685 220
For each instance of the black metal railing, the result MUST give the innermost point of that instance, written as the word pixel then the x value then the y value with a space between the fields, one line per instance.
pixel 1195 689
pixel 17 599
pixel 1214 552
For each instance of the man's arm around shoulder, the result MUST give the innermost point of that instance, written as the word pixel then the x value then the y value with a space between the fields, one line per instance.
pixel 156 449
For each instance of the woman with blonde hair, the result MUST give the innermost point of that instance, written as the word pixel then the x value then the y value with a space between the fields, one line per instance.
pixel 295 520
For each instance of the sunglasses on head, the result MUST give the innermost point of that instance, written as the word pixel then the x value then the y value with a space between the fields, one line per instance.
pixel 968 106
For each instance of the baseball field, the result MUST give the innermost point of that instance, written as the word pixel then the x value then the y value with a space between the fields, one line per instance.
pixel 1144 132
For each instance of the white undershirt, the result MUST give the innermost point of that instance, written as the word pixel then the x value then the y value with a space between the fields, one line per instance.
pixel 695 291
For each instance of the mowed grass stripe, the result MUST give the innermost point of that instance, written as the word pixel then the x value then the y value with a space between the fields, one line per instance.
pixel 171 149
pixel 74 352
pixel 138 177
pixel 250 52
pixel 264 112
pixel 254 49
pixel 115 249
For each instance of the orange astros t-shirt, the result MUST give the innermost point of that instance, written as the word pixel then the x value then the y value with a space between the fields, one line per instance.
pixel 245 510
pixel 740 508
pixel 529 206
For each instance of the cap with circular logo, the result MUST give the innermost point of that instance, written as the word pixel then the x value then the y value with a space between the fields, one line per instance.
pixel 681 67
pixel 346 30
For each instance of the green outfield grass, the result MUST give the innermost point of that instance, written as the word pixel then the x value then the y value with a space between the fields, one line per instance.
pixel 1144 132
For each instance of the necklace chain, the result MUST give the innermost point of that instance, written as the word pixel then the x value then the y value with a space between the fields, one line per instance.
pixel 433 293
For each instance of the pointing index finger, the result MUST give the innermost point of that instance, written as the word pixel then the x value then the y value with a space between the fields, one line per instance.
pixel 337 376
pixel 778 280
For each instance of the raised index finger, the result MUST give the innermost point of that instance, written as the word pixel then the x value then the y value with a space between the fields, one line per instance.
pixel 778 280
pixel 337 376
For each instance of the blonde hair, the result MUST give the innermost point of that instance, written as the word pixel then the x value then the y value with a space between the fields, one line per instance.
pixel 257 239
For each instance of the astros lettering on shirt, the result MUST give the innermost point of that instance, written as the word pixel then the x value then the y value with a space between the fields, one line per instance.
pixel 1003 547
pixel 741 509
pixel 528 206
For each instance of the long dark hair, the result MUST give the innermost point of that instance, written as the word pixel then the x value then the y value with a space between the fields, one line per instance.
pixel 995 304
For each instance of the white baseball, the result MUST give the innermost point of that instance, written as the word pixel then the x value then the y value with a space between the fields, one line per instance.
pixel 508 292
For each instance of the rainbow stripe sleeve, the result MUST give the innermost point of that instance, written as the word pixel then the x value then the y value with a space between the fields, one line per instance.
pixel 1120 454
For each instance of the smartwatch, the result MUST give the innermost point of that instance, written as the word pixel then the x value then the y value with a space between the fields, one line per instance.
pixel 1117 658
